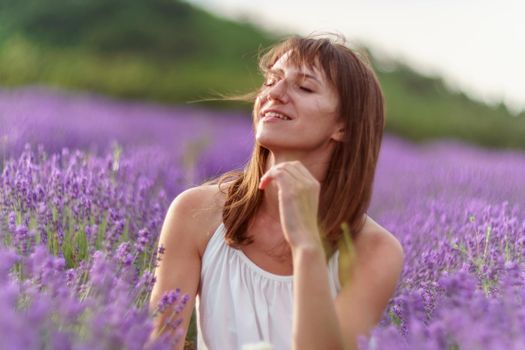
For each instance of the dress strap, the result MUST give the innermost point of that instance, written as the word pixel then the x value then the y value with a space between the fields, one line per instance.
pixel 214 244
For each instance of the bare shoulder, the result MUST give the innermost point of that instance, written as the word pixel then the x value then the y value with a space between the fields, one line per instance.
pixel 200 200
pixel 198 210
pixel 192 215
pixel 370 282
pixel 377 245
pixel 374 234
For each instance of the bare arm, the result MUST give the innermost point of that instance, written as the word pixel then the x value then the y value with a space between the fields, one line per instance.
pixel 318 321
pixel 315 324
pixel 371 284
pixel 180 265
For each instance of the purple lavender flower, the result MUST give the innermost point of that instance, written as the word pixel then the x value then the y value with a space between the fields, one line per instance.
pixel 81 215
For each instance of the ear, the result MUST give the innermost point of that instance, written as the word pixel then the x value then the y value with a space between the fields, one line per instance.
pixel 339 133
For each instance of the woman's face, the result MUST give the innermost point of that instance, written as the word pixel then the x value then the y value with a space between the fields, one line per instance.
pixel 296 109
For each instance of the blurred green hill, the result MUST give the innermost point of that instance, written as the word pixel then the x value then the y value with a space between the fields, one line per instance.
pixel 170 51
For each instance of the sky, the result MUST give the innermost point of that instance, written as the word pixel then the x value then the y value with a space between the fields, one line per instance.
pixel 476 46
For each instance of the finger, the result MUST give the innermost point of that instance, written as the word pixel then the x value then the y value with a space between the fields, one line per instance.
pixel 268 177
pixel 301 174
pixel 274 173
pixel 302 169
pixel 265 181
pixel 294 171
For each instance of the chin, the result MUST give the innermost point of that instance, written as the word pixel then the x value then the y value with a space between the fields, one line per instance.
pixel 268 142
pixel 264 142
pixel 274 140
pixel 272 144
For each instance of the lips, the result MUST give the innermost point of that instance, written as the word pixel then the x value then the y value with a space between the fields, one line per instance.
pixel 270 114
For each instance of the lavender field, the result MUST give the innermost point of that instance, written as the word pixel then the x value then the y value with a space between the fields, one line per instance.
pixel 86 181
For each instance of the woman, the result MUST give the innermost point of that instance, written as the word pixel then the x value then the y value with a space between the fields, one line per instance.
pixel 258 249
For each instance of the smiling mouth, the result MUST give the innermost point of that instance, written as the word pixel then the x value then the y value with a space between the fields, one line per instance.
pixel 274 115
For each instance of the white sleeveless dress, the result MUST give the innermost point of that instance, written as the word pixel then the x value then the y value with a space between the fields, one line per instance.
pixel 239 303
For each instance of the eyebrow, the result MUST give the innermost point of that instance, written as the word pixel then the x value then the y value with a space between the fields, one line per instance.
pixel 300 74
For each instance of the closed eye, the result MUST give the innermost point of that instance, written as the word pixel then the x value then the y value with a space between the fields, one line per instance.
pixel 305 89
pixel 269 81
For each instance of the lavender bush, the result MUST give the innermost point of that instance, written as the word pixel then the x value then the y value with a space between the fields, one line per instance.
pixel 458 212
pixel 78 246
pixel 172 143
pixel 78 225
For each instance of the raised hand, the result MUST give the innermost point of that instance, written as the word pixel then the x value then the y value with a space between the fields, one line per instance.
pixel 298 195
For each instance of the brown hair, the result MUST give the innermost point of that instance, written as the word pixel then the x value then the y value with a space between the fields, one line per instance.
pixel 347 188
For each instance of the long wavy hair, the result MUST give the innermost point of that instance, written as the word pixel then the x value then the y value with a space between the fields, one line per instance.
pixel 347 189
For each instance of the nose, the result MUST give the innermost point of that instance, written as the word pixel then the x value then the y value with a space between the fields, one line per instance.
pixel 278 91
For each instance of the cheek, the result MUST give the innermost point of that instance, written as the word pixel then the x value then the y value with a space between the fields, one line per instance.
pixel 329 106
pixel 324 109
